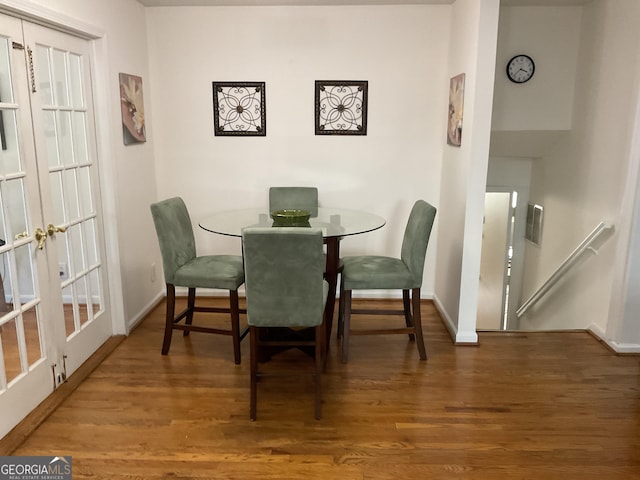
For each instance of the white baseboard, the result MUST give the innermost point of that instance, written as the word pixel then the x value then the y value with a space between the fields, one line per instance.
pixel 624 348
pixel 621 348
pixel 133 322
pixel 458 338
pixel 451 327
pixel 597 331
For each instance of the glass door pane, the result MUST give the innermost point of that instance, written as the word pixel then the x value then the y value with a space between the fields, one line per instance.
pixel 72 175
pixel 53 288
pixel 19 294
pixel 25 374
pixel 64 133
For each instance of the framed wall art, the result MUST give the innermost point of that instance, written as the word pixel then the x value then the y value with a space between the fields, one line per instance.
pixel 456 109
pixel 239 109
pixel 341 107
pixel 132 108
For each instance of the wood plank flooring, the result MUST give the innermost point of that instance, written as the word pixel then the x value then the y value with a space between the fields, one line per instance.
pixel 518 406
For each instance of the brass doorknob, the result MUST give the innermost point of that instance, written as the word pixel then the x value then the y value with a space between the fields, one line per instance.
pixel 52 229
pixel 41 237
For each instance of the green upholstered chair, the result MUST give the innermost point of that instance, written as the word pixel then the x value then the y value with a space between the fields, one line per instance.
pixel 289 198
pixel 302 198
pixel 286 297
pixel 183 268
pixel 371 272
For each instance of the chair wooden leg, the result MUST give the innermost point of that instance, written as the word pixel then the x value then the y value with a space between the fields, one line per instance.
pixel 319 360
pixel 191 302
pixel 253 396
pixel 340 328
pixel 325 347
pixel 406 303
pixel 168 325
pixel 417 323
pixel 346 326
pixel 235 324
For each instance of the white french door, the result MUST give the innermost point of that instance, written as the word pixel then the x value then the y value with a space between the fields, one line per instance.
pixel 53 297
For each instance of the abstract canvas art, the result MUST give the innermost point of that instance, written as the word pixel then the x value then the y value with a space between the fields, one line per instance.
pixel 456 109
pixel 132 107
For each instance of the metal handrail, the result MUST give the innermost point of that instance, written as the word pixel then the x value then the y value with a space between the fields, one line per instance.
pixel 565 266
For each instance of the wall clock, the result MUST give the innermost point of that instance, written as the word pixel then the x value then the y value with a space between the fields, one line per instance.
pixel 520 68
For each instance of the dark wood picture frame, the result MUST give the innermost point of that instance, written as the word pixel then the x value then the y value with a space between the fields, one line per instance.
pixel 239 109
pixel 341 107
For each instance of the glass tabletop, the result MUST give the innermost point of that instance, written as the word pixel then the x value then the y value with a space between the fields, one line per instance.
pixel 334 222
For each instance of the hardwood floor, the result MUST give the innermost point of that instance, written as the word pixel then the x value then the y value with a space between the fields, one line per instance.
pixel 519 406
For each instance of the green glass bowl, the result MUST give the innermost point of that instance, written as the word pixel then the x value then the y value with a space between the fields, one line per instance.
pixel 290 218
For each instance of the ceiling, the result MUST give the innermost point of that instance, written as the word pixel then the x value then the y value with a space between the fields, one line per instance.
pixel 184 3
pixel 189 3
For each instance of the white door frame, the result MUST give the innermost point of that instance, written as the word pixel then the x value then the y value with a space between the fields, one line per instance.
pixel 517 263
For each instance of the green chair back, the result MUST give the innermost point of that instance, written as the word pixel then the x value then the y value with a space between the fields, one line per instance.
pixel 175 235
pixel 284 276
pixel 303 198
pixel 416 238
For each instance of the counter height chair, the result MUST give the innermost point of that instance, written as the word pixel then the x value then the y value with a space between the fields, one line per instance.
pixel 286 297
pixel 183 268
pixel 292 198
pixel 371 272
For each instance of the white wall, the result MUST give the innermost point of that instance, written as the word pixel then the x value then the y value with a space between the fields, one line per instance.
pixel 581 182
pixel 472 50
pixel 400 50
pixel 551 36
pixel 623 328
pixel 128 172
pixel 531 119
pixel 408 55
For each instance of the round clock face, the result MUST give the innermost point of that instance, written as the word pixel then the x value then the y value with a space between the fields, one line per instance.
pixel 520 68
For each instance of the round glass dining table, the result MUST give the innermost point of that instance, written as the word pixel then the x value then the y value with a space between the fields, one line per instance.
pixel 335 223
